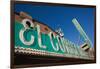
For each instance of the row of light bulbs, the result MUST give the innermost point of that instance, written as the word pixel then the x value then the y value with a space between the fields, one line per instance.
pixel 30 51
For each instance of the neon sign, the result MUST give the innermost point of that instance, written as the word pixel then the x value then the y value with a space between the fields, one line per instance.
pixel 30 40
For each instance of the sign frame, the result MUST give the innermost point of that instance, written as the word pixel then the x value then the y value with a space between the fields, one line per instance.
pixel 68 61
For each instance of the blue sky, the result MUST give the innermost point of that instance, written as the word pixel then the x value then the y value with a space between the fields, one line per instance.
pixel 61 16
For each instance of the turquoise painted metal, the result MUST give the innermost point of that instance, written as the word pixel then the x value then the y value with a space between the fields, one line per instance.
pixel 59 47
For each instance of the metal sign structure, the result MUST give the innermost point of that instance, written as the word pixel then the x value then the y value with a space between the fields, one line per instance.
pixel 81 31
pixel 29 39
